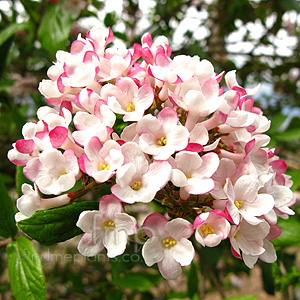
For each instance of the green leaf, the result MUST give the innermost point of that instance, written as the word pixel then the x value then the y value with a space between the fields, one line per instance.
pixel 10 30
pixel 243 297
pixel 276 122
pixel 125 279
pixel 6 83
pixel 290 5
pixel 25 270
pixel 55 28
pixel 8 226
pixel 192 281
pixel 290 232
pixel 6 178
pixel 110 19
pixel 288 135
pixel 114 295
pixel 267 278
pixel 57 224
pixel 134 281
pixel 292 132
pixel 20 179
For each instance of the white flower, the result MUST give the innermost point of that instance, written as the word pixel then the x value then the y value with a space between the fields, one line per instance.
pixel 244 200
pixel 107 227
pixel 53 172
pixel 192 173
pixel 211 228
pixel 168 245
pixel 137 180
pixel 162 136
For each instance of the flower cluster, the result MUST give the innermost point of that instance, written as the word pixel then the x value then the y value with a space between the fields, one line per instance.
pixel 154 128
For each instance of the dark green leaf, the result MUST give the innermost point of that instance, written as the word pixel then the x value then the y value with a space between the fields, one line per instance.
pixel 8 226
pixel 244 297
pixel 290 5
pixel 192 281
pixel 6 83
pixel 114 295
pixel 55 225
pixel 290 233
pixel 55 29
pixel 123 278
pixel 10 30
pixel 97 4
pixel 110 19
pixel 25 271
pixel 6 178
pixel 267 278
pixel 133 281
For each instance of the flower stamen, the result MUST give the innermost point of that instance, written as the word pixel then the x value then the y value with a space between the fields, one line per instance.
pixel 130 107
pixel 236 235
pixel 162 141
pixel 109 223
pixel 207 229
pixel 238 204
pixel 136 185
pixel 104 167
pixel 169 242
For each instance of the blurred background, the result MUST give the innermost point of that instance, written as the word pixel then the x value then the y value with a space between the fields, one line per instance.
pixel 260 39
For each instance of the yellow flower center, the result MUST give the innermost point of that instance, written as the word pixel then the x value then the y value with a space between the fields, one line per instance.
pixel 62 173
pixel 188 176
pixel 130 107
pixel 109 223
pixel 162 141
pixel 207 229
pixel 104 167
pixel 136 185
pixel 238 204
pixel 236 235
pixel 169 242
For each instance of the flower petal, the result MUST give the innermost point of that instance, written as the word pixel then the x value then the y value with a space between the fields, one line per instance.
pixel 154 225
pixel 125 222
pixel 183 252
pixel 179 228
pixel 87 246
pixel 152 251
pixel 169 267
pixel 110 206
pixel 115 242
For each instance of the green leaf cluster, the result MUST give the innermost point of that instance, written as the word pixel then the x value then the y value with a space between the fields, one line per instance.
pixel 57 224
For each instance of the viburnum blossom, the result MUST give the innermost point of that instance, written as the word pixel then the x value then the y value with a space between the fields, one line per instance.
pixel 168 244
pixel 31 201
pixel 193 173
pixel 108 227
pixel 245 202
pixel 53 172
pixel 137 180
pixel 142 126
pixel 211 228
pixel 100 161
pixel 162 136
